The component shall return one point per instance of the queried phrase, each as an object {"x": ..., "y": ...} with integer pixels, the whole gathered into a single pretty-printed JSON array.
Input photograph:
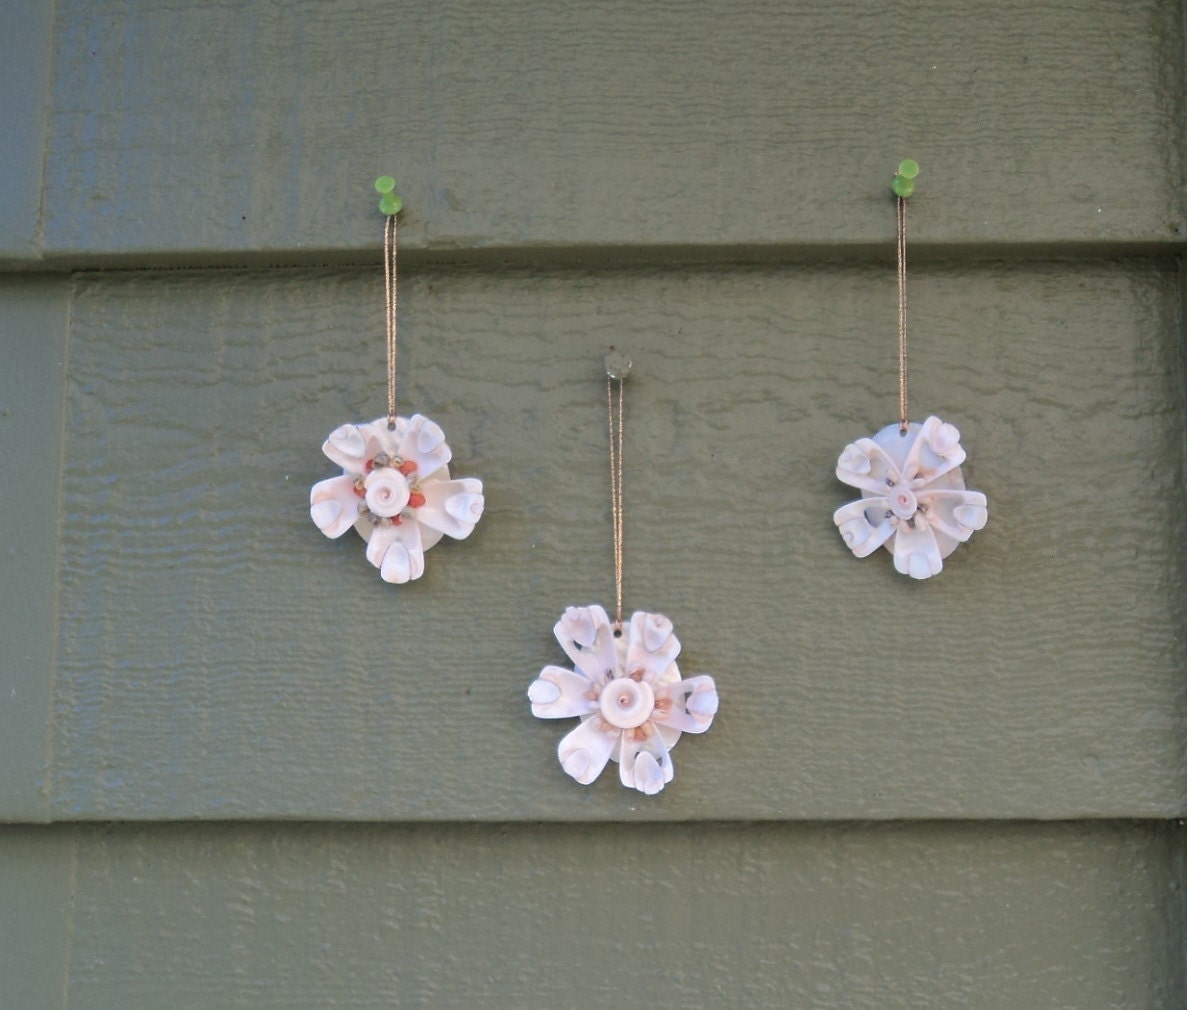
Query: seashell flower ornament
[
  {"x": 625, "y": 686},
  {"x": 628, "y": 693},
  {"x": 914, "y": 502},
  {"x": 395, "y": 489}
]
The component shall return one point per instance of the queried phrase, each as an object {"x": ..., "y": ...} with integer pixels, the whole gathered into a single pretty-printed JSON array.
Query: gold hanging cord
[
  {"x": 618, "y": 366},
  {"x": 902, "y": 185},
  {"x": 390, "y": 204},
  {"x": 391, "y": 236},
  {"x": 901, "y": 216}
]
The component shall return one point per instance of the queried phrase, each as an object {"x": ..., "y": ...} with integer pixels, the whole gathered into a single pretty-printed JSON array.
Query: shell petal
[
  {"x": 916, "y": 552},
  {"x": 580, "y": 625},
  {"x": 693, "y": 704},
  {"x": 649, "y": 778},
  {"x": 959, "y": 514},
  {"x": 854, "y": 460},
  {"x": 864, "y": 524},
  {"x": 347, "y": 446},
  {"x": 466, "y": 507},
  {"x": 657, "y": 629},
  {"x": 329, "y": 516},
  {"x": 542, "y": 692},
  {"x": 651, "y": 645},
  {"x": 559, "y": 694},
  {"x": 424, "y": 443},
  {"x": 595, "y": 652},
  {"x": 972, "y": 516},
  {"x": 585, "y": 751},
  {"x": 397, "y": 552},
  {"x": 646, "y": 764},
  {"x": 452, "y": 506},
  {"x": 429, "y": 435},
  {"x": 865, "y": 464},
  {"x": 333, "y": 505},
  {"x": 935, "y": 451},
  {"x": 396, "y": 565}
]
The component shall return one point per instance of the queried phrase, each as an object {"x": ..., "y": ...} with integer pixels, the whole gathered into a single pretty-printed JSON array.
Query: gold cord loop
[{"x": 617, "y": 367}]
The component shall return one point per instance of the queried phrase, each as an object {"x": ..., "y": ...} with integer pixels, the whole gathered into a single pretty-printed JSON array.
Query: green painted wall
[
  {"x": 244, "y": 667},
  {"x": 692, "y": 915},
  {"x": 272, "y": 780}
]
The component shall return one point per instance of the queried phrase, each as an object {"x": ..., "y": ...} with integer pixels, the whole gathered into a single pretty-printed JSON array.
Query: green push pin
[
  {"x": 390, "y": 202},
  {"x": 903, "y": 183}
]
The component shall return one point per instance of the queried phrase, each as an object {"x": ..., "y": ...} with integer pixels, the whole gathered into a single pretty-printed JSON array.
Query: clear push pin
[{"x": 618, "y": 363}]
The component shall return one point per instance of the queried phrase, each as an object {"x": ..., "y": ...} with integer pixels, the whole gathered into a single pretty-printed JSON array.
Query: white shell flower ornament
[
  {"x": 913, "y": 499},
  {"x": 914, "y": 502},
  {"x": 625, "y": 686},
  {"x": 627, "y": 691},
  {"x": 395, "y": 489}
]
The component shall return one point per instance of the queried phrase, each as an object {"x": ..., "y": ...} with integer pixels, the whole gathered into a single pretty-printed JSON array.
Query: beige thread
[
  {"x": 616, "y": 499},
  {"x": 901, "y": 230},
  {"x": 390, "y": 243}
]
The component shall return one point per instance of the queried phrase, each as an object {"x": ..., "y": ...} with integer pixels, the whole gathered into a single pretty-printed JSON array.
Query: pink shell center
[
  {"x": 902, "y": 501},
  {"x": 387, "y": 491},
  {"x": 627, "y": 703}
]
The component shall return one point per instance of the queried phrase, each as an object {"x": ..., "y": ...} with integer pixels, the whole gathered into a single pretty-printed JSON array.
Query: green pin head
[
  {"x": 903, "y": 183},
  {"x": 390, "y": 202}
]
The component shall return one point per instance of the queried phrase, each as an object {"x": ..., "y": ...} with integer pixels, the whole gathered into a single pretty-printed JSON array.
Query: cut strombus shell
[
  {"x": 395, "y": 490},
  {"x": 627, "y": 691},
  {"x": 914, "y": 501}
]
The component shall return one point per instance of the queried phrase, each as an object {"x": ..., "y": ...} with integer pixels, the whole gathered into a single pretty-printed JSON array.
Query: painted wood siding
[
  {"x": 244, "y": 666},
  {"x": 240, "y": 771},
  {"x": 986, "y": 916},
  {"x": 245, "y": 129}
]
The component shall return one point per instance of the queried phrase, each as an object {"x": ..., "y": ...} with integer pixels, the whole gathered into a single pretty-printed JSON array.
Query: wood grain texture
[
  {"x": 33, "y": 325},
  {"x": 988, "y": 917},
  {"x": 208, "y": 132},
  {"x": 219, "y": 658}
]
